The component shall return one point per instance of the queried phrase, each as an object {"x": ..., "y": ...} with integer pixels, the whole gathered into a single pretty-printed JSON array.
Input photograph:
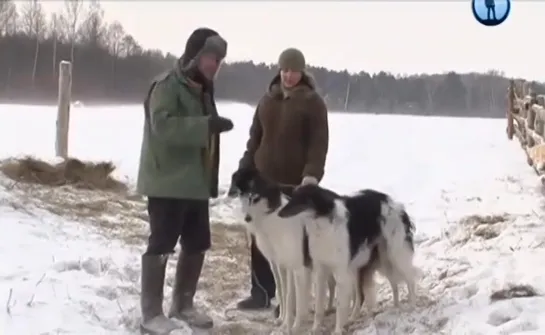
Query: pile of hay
[{"x": 87, "y": 175}]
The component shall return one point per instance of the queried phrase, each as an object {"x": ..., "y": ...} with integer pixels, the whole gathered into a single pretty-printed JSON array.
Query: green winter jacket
[{"x": 179, "y": 157}]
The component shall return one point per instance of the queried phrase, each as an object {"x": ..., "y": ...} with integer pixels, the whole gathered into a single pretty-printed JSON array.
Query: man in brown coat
[{"x": 288, "y": 144}]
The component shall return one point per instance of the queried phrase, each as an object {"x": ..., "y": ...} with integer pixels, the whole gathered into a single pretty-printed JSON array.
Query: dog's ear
[
  {"x": 323, "y": 202},
  {"x": 259, "y": 183},
  {"x": 321, "y": 199},
  {"x": 295, "y": 205},
  {"x": 242, "y": 181},
  {"x": 287, "y": 190}
]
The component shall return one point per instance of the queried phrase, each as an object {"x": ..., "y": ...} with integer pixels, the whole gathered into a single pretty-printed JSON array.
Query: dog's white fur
[
  {"x": 394, "y": 252},
  {"x": 280, "y": 242}
]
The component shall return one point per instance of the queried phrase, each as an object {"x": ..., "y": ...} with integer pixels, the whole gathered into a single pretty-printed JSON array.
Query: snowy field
[{"x": 477, "y": 206}]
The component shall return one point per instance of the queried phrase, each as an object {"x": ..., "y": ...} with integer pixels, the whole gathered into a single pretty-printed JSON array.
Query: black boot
[
  {"x": 255, "y": 301},
  {"x": 154, "y": 322},
  {"x": 263, "y": 286},
  {"x": 188, "y": 272}
]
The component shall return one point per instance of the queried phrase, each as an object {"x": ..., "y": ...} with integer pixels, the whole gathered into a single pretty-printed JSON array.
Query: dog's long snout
[{"x": 248, "y": 218}]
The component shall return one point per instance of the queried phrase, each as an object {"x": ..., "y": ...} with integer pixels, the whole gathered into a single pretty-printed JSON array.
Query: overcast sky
[{"x": 400, "y": 37}]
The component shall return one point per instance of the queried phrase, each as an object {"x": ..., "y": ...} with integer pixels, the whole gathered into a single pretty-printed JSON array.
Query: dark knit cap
[
  {"x": 292, "y": 59},
  {"x": 199, "y": 39}
]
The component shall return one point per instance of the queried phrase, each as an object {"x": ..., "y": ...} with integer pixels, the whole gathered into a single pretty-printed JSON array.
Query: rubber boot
[
  {"x": 154, "y": 321},
  {"x": 188, "y": 272},
  {"x": 254, "y": 302}
]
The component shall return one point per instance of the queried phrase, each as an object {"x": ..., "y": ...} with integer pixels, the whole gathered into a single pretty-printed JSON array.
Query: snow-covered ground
[{"x": 61, "y": 275}]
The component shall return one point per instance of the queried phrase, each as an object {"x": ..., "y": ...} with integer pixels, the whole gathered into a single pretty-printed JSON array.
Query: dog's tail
[
  {"x": 409, "y": 227},
  {"x": 398, "y": 232}
]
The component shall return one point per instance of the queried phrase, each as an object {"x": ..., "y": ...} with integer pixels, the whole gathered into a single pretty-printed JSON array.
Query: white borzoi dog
[
  {"x": 352, "y": 237},
  {"x": 281, "y": 241}
]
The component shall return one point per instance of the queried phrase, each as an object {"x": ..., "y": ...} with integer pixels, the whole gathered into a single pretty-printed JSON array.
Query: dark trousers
[
  {"x": 262, "y": 278},
  {"x": 171, "y": 219}
]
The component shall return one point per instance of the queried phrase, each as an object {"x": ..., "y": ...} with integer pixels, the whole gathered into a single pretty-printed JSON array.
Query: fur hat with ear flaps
[
  {"x": 292, "y": 59},
  {"x": 203, "y": 40}
]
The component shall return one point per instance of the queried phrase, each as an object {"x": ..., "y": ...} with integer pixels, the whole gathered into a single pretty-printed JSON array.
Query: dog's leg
[
  {"x": 309, "y": 290},
  {"x": 284, "y": 284},
  {"x": 411, "y": 287},
  {"x": 319, "y": 310},
  {"x": 279, "y": 291},
  {"x": 331, "y": 288},
  {"x": 290, "y": 301},
  {"x": 395, "y": 291},
  {"x": 356, "y": 299},
  {"x": 402, "y": 268},
  {"x": 345, "y": 283},
  {"x": 370, "y": 292},
  {"x": 301, "y": 297}
]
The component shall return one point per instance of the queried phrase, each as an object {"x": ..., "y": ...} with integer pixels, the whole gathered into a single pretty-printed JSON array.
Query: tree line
[{"x": 111, "y": 67}]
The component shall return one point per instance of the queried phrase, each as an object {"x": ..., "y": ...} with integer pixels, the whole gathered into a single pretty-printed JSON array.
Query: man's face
[
  {"x": 209, "y": 65},
  {"x": 290, "y": 78}
]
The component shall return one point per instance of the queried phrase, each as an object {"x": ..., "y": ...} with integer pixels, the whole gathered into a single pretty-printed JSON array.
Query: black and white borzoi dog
[
  {"x": 352, "y": 237},
  {"x": 348, "y": 237}
]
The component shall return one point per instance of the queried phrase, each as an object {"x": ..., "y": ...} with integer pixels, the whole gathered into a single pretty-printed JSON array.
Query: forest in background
[{"x": 110, "y": 67}]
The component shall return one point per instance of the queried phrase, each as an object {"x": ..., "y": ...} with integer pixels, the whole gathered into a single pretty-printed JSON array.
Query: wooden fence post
[
  {"x": 510, "y": 109},
  {"x": 526, "y": 121},
  {"x": 63, "y": 111}
]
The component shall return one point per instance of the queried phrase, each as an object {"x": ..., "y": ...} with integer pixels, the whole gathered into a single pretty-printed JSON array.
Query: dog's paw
[
  {"x": 285, "y": 328},
  {"x": 316, "y": 329},
  {"x": 296, "y": 327}
]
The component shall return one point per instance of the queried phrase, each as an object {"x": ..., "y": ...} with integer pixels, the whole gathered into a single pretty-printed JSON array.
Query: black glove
[{"x": 219, "y": 124}]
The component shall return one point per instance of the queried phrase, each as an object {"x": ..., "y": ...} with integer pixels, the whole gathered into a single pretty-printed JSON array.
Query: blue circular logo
[{"x": 491, "y": 12}]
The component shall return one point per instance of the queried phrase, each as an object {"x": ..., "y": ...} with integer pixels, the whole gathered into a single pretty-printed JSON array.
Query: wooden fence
[{"x": 526, "y": 120}]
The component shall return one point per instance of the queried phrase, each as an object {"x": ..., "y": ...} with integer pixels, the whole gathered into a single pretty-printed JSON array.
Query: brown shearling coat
[{"x": 289, "y": 135}]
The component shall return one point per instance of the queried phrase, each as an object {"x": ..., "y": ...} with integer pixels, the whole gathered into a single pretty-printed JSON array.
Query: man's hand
[{"x": 219, "y": 124}]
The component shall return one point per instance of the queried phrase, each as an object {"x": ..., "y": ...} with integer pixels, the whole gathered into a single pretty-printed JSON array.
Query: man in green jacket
[{"x": 178, "y": 173}]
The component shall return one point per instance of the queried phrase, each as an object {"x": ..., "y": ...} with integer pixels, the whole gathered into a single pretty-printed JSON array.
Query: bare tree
[
  {"x": 129, "y": 46},
  {"x": 8, "y": 17},
  {"x": 56, "y": 35},
  {"x": 431, "y": 88},
  {"x": 33, "y": 24},
  {"x": 71, "y": 18},
  {"x": 115, "y": 34},
  {"x": 92, "y": 31}
]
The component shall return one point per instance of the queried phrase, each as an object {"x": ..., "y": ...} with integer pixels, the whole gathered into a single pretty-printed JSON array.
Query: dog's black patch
[
  {"x": 365, "y": 218},
  {"x": 409, "y": 229},
  {"x": 364, "y": 210},
  {"x": 307, "y": 260}
]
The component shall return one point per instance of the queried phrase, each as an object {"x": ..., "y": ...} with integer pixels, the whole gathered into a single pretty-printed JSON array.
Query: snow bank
[{"x": 65, "y": 274}]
